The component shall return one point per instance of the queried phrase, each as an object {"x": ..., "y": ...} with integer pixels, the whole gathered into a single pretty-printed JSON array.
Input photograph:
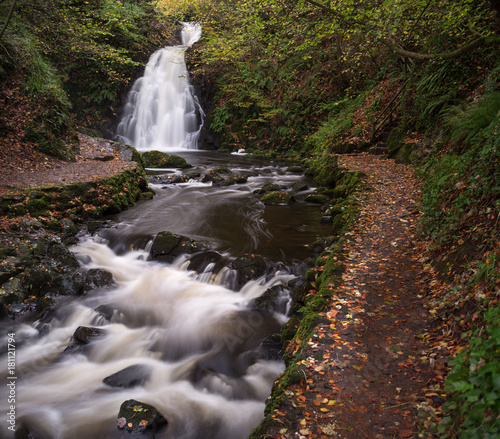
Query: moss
[
  {"x": 278, "y": 197},
  {"x": 158, "y": 159},
  {"x": 36, "y": 207},
  {"x": 317, "y": 198}
]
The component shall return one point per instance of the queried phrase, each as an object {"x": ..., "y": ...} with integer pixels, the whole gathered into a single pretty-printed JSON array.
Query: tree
[{"x": 9, "y": 16}]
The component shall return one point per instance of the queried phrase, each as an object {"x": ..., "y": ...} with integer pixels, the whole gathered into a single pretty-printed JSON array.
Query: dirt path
[
  {"x": 98, "y": 159},
  {"x": 366, "y": 367}
]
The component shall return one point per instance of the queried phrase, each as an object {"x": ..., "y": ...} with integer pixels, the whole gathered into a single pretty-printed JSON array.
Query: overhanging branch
[{"x": 481, "y": 41}]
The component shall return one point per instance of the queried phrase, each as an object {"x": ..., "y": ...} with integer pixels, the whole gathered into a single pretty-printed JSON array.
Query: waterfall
[{"x": 162, "y": 113}]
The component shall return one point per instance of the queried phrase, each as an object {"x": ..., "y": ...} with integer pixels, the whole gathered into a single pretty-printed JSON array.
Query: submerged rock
[
  {"x": 138, "y": 417},
  {"x": 131, "y": 376}
]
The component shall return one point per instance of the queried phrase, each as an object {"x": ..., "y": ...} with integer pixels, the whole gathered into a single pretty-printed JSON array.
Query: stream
[{"x": 189, "y": 341}]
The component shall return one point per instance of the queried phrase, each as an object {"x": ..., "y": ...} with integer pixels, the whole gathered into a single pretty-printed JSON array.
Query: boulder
[
  {"x": 85, "y": 334},
  {"x": 317, "y": 198},
  {"x": 167, "y": 246},
  {"x": 269, "y": 187},
  {"x": 249, "y": 267},
  {"x": 138, "y": 417},
  {"x": 158, "y": 159},
  {"x": 278, "y": 197}
]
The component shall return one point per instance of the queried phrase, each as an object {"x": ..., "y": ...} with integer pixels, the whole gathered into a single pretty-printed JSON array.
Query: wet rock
[
  {"x": 97, "y": 278},
  {"x": 105, "y": 311},
  {"x": 234, "y": 179},
  {"x": 138, "y": 417},
  {"x": 269, "y": 187},
  {"x": 278, "y": 197},
  {"x": 9, "y": 267},
  {"x": 299, "y": 186},
  {"x": 211, "y": 176},
  {"x": 271, "y": 348},
  {"x": 273, "y": 300},
  {"x": 168, "y": 179},
  {"x": 249, "y": 267},
  {"x": 317, "y": 198},
  {"x": 167, "y": 246},
  {"x": 200, "y": 261},
  {"x": 295, "y": 169},
  {"x": 131, "y": 376},
  {"x": 157, "y": 159},
  {"x": 85, "y": 334}
]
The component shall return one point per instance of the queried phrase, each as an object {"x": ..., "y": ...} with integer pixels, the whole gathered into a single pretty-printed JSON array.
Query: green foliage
[
  {"x": 465, "y": 122},
  {"x": 473, "y": 408},
  {"x": 462, "y": 191},
  {"x": 48, "y": 122},
  {"x": 95, "y": 45}
]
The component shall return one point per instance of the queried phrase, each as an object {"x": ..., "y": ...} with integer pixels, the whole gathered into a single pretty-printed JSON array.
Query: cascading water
[
  {"x": 202, "y": 351},
  {"x": 162, "y": 113},
  {"x": 195, "y": 349}
]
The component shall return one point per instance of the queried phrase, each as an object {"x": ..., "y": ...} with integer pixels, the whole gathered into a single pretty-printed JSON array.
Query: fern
[{"x": 464, "y": 123}]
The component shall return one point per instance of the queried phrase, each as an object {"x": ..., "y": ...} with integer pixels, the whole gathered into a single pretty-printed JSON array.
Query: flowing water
[
  {"x": 162, "y": 112},
  {"x": 198, "y": 346}
]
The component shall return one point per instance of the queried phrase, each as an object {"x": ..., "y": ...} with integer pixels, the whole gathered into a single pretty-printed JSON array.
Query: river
[
  {"x": 196, "y": 342},
  {"x": 182, "y": 337}
]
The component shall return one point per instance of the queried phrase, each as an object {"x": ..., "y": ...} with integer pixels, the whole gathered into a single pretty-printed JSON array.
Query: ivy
[{"x": 473, "y": 407}]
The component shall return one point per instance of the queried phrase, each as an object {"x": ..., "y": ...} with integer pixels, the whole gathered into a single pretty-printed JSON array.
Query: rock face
[
  {"x": 167, "y": 246},
  {"x": 138, "y": 417}
]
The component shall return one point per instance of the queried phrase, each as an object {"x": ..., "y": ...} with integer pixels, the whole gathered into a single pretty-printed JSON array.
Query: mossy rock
[
  {"x": 317, "y": 198},
  {"x": 278, "y": 197},
  {"x": 211, "y": 176},
  {"x": 295, "y": 169},
  {"x": 158, "y": 159},
  {"x": 269, "y": 187},
  {"x": 167, "y": 246},
  {"x": 234, "y": 179},
  {"x": 249, "y": 267}
]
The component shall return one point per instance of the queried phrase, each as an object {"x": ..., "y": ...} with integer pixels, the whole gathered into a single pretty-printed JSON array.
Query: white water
[
  {"x": 200, "y": 341},
  {"x": 162, "y": 112}
]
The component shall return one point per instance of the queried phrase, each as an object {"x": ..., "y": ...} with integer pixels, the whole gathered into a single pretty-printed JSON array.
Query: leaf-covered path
[{"x": 366, "y": 367}]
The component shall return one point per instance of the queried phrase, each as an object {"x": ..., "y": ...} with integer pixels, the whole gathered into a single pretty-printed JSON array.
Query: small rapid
[{"x": 197, "y": 346}]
